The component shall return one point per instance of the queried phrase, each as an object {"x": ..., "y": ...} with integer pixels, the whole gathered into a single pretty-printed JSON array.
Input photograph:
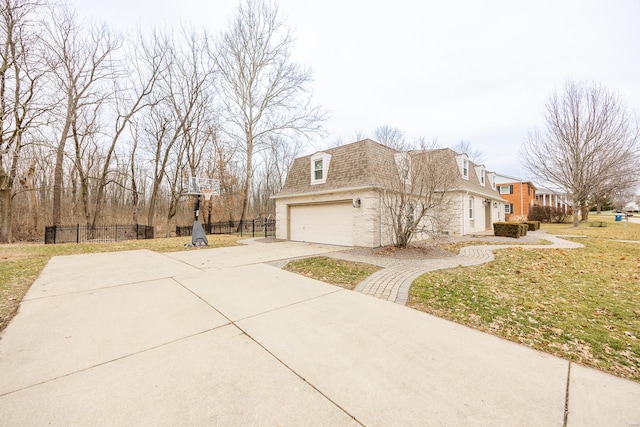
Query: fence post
[
  {"x": 77, "y": 233},
  {"x": 266, "y": 224},
  {"x": 253, "y": 228}
]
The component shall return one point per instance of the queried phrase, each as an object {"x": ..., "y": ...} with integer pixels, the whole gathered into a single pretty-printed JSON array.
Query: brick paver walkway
[{"x": 393, "y": 282}]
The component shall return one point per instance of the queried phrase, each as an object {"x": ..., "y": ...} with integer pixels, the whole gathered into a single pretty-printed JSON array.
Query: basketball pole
[{"x": 196, "y": 211}]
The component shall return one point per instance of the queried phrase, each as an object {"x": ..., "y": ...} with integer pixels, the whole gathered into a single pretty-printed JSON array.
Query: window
[
  {"x": 317, "y": 170},
  {"x": 508, "y": 208},
  {"x": 506, "y": 189},
  {"x": 319, "y": 167},
  {"x": 463, "y": 165},
  {"x": 471, "y": 202},
  {"x": 482, "y": 175}
]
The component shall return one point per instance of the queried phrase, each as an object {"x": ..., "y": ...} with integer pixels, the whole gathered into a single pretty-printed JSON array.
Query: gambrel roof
[{"x": 358, "y": 166}]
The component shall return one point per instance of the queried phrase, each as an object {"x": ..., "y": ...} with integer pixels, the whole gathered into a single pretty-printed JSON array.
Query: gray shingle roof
[{"x": 359, "y": 164}]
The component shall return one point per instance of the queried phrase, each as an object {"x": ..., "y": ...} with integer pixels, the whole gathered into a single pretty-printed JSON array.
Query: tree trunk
[
  {"x": 246, "y": 189},
  {"x": 27, "y": 183},
  {"x": 58, "y": 173},
  {"x": 5, "y": 207}
]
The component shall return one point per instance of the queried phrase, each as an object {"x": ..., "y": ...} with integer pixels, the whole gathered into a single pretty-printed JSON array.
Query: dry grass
[
  {"x": 580, "y": 304},
  {"x": 20, "y": 264},
  {"x": 337, "y": 272}
]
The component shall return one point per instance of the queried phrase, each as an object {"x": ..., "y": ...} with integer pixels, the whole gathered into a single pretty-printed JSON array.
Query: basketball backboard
[{"x": 204, "y": 186}]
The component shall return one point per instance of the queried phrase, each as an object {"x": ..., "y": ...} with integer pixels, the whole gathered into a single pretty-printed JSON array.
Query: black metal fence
[
  {"x": 253, "y": 228},
  {"x": 81, "y": 233}
]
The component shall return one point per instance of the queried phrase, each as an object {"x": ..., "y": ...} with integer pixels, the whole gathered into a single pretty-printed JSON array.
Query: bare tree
[
  {"x": 418, "y": 201},
  {"x": 178, "y": 119},
  {"x": 263, "y": 91},
  {"x": 590, "y": 142},
  {"x": 276, "y": 161},
  {"x": 81, "y": 61},
  {"x": 475, "y": 155},
  {"x": 132, "y": 94},
  {"x": 391, "y": 137},
  {"x": 21, "y": 107}
]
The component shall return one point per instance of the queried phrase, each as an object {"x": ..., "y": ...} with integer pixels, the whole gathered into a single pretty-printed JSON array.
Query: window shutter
[{"x": 511, "y": 189}]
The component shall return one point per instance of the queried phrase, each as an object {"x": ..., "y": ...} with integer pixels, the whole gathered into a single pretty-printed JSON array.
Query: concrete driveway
[{"x": 218, "y": 337}]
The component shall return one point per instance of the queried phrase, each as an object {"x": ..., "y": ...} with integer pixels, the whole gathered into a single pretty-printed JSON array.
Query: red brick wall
[{"x": 522, "y": 198}]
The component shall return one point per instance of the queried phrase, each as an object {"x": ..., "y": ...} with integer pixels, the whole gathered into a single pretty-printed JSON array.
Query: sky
[{"x": 455, "y": 70}]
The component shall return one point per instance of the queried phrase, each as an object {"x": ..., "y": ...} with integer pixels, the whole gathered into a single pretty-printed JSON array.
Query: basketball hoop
[
  {"x": 206, "y": 187},
  {"x": 208, "y": 193}
]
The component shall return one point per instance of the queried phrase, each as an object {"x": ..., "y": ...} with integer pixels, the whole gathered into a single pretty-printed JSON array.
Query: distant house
[
  {"x": 335, "y": 196},
  {"x": 553, "y": 198},
  {"x": 520, "y": 195}
]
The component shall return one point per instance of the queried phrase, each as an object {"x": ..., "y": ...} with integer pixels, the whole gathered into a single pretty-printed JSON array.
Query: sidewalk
[{"x": 218, "y": 337}]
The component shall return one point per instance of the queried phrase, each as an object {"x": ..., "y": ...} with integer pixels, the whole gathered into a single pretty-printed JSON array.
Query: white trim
[
  {"x": 329, "y": 191},
  {"x": 324, "y": 160}
]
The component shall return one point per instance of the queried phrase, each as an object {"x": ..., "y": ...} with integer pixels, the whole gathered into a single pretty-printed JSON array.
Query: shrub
[
  {"x": 540, "y": 213},
  {"x": 517, "y": 218},
  {"x": 559, "y": 215},
  {"x": 548, "y": 214},
  {"x": 509, "y": 229},
  {"x": 523, "y": 229},
  {"x": 597, "y": 224},
  {"x": 533, "y": 225}
]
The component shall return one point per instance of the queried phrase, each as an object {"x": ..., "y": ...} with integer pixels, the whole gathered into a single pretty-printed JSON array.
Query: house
[
  {"x": 338, "y": 196},
  {"x": 553, "y": 198},
  {"x": 520, "y": 195}
]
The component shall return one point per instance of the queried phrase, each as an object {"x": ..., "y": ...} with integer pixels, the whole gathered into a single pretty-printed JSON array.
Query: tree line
[{"x": 100, "y": 127}]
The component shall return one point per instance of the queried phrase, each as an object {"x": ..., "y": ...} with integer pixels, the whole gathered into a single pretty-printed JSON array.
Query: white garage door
[{"x": 330, "y": 223}]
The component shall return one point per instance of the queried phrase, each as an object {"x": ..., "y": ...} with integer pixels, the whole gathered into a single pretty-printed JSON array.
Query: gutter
[{"x": 330, "y": 191}]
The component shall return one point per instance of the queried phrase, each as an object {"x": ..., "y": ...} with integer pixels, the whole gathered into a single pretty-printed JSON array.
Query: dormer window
[
  {"x": 463, "y": 165},
  {"x": 482, "y": 174},
  {"x": 319, "y": 167},
  {"x": 492, "y": 179},
  {"x": 317, "y": 170}
]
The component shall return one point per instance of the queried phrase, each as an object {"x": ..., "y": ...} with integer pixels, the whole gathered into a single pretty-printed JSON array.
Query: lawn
[
  {"x": 20, "y": 264},
  {"x": 341, "y": 273},
  {"x": 580, "y": 304}
]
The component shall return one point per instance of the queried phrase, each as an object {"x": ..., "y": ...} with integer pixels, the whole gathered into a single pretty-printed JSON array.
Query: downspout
[
  {"x": 463, "y": 213},
  {"x": 521, "y": 200},
  {"x": 380, "y": 217}
]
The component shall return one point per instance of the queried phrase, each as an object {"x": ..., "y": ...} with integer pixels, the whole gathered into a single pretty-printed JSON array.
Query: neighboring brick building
[{"x": 519, "y": 194}]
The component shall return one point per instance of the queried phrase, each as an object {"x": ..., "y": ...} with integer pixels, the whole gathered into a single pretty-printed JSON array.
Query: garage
[{"x": 330, "y": 223}]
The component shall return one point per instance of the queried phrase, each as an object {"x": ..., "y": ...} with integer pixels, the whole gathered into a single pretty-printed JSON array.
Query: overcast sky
[{"x": 478, "y": 71}]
